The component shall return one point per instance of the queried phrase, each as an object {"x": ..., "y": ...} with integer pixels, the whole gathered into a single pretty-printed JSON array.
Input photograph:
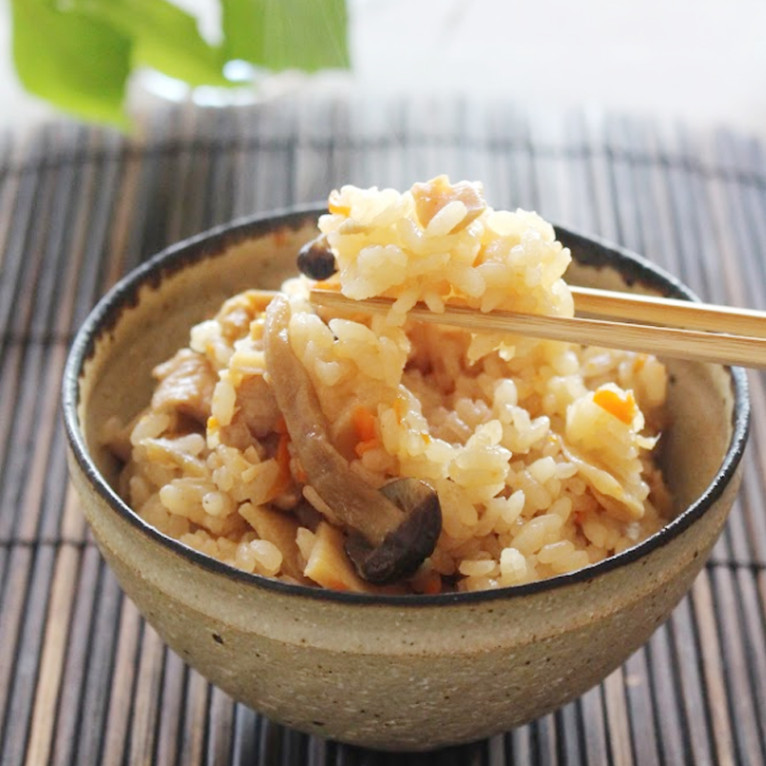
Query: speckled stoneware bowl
[{"x": 390, "y": 672}]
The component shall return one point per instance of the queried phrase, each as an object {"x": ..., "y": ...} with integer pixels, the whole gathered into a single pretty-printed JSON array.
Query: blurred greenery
[{"x": 80, "y": 54}]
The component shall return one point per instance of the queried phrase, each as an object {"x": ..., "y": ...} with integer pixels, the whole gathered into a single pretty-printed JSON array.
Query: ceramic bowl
[{"x": 391, "y": 672}]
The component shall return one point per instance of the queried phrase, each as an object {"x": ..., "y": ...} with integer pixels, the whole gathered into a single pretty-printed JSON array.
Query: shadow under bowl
[{"x": 390, "y": 672}]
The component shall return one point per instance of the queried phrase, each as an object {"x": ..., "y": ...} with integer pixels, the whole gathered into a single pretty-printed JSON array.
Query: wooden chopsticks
[
  {"x": 660, "y": 326},
  {"x": 670, "y": 312}
]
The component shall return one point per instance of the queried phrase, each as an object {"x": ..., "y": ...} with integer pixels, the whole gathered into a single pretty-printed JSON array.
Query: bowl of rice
[{"x": 394, "y": 534}]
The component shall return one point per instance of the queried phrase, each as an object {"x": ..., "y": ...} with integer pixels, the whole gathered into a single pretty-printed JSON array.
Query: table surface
[{"x": 82, "y": 678}]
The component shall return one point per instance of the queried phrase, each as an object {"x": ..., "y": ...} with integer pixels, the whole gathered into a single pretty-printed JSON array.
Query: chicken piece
[
  {"x": 256, "y": 415},
  {"x": 257, "y": 406},
  {"x": 432, "y": 196},
  {"x": 238, "y": 312},
  {"x": 186, "y": 385}
]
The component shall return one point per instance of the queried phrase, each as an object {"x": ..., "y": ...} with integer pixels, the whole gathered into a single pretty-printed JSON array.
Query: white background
[{"x": 701, "y": 61}]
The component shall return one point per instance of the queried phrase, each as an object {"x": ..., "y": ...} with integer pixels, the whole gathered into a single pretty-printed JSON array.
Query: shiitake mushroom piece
[{"x": 390, "y": 531}]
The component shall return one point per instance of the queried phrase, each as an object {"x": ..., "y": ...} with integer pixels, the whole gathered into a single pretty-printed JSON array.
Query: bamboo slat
[{"x": 82, "y": 678}]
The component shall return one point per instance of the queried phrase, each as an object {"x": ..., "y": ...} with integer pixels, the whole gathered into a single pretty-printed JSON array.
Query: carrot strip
[
  {"x": 366, "y": 430},
  {"x": 433, "y": 584},
  {"x": 334, "y": 205},
  {"x": 365, "y": 424},
  {"x": 614, "y": 404}
]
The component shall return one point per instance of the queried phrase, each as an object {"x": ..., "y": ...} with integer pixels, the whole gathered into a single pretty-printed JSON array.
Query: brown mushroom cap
[
  {"x": 316, "y": 259},
  {"x": 403, "y": 549}
]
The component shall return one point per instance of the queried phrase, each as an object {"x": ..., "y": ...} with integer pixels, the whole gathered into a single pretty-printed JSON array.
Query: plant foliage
[{"x": 79, "y": 54}]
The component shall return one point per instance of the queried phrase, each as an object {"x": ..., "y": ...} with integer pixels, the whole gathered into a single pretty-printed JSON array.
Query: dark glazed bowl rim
[{"x": 591, "y": 251}]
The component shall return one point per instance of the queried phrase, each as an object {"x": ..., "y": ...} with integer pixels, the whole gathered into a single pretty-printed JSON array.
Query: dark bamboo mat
[{"x": 83, "y": 679}]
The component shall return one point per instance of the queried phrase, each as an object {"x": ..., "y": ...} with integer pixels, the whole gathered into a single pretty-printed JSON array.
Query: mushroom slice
[{"x": 386, "y": 540}]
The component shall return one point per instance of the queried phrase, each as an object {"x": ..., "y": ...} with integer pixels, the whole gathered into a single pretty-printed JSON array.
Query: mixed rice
[{"x": 541, "y": 452}]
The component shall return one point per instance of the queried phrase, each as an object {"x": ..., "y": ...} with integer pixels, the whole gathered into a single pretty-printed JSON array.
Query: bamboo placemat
[{"x": 83, "y": 679}]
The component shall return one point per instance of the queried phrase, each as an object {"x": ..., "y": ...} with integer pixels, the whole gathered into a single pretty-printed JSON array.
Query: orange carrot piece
[
  {"x": 366, "y": 429},
  {"x": 332, "y": 583},
  {"x": 334, "y": 206},
  {"x": 331, "y": 283},
  {"x": 614, "y": 404},
  {"x": 433, "y": 584},
  {"x": 365, "y": 424}
]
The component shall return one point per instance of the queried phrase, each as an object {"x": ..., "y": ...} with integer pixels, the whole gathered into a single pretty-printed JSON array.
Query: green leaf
[
  {"x": 79, "y": 64},
  {"x": 165, "y": 38},
  {"x": 78, "y": 54},
  {"x": 286, "y": 34}
]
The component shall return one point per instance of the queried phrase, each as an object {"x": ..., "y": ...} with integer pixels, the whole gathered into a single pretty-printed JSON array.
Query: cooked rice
[{"x": 540, "y": 451}]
